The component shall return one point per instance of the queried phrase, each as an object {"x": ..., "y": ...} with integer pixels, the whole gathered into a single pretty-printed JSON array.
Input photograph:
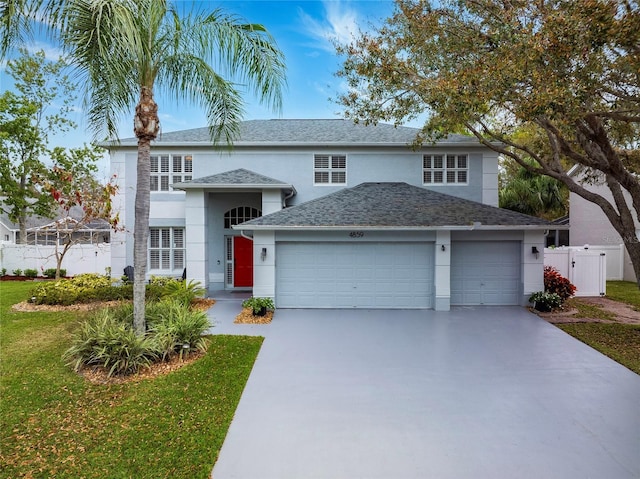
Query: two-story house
[{"x": 332, "y": 214}]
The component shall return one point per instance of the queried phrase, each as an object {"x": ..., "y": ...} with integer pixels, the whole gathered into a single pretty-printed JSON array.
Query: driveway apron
[{"x": 471, "y": 393}]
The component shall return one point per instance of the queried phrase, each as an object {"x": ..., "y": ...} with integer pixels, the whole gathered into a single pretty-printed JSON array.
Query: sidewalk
[{"x": 223, "y": 313}]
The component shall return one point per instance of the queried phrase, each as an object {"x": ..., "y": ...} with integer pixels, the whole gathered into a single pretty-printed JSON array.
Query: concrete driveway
[{"x": 471, "y": 393}]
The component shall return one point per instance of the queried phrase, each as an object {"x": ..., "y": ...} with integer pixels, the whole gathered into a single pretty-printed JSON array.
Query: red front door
[{"x": 242, "y": 262}]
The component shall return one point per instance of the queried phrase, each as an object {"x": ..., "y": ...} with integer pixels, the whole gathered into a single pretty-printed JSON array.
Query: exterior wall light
[
  {"x": 443, "y": 248},
  {"x": 534, "y": 251},
  {"x": 263, "y": 254}
]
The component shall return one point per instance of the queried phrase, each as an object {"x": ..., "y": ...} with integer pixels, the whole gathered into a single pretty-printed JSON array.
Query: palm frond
[
  {"x": 187, "y": 77},
  {"x": 207, "y": 59}
]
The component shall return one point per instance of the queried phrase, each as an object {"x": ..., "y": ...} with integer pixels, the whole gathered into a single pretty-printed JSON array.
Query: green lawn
[
  {"x": 55, "y": 424},
  {"x": 625, "y": 292},
  {"x": 621, "y": 342}
]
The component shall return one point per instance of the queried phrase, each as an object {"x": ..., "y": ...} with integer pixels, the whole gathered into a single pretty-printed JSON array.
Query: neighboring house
[
  {"x": 590, "y": 226},
  {"x": 559, "y": 237},
  {"x": 332, "y": 214},
  {"x": 47, "y": 231}
]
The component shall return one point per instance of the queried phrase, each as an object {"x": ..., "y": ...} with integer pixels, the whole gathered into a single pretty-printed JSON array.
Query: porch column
[
  {"x": 264, "y": 264},
  {"x": 442, "y": 271},
  {"x": 196, "y": 236}
]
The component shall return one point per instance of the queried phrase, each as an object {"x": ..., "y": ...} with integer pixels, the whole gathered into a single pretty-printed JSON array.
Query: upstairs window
[
  {"x": 445, "y": 169},
  {"x": 330, "y": 169},
  {"x": 169, "y": 169}
]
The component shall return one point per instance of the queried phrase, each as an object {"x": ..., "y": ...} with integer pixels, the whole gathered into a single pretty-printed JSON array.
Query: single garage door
[
  {"x": 485, "y": 272},
  {"x": 354, "y": 275}
]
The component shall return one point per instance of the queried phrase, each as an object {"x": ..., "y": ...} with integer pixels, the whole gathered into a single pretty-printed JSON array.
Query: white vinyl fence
[
  {"x": 585, "y": 268},
  {"x": 81, "y": 258}
]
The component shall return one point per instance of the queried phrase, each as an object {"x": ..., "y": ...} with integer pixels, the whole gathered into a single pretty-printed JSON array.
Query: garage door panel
[
  {"x": 362, "y": 275},
  {"x": 485, "y": 273}
]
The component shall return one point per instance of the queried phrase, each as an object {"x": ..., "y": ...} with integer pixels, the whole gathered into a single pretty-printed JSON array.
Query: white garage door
[
  {"x": 485, "y": 272},
  {"x": 354, "y": 275}
]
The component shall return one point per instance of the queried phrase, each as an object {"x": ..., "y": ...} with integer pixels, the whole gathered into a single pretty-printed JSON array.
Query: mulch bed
[
  {"x": 201, "y": 304},
  {"x": 100, "y": 375},
  {"x": 623, "y": 313},
  {"x": 246, "y": 317}
]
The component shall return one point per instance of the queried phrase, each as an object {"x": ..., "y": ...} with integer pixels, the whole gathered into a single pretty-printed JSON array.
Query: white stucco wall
[
  {"x": 290, "y": 165},
  {"x": 81, "y": 258}
]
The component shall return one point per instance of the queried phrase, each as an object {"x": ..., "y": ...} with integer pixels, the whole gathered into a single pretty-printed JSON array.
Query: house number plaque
[{"x": 356, "y": 234}]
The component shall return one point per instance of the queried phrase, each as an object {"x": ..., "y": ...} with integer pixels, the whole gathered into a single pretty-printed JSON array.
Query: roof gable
[
  {"x": 393, "y": 205},
  {"x": 235, "y": 178}
]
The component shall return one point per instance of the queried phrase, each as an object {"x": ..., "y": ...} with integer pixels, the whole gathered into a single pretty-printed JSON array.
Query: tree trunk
[
  {"x": 633, "y": 248},
  {"x": 146, "y": 127},
  {"x": 22, "y": 223}
]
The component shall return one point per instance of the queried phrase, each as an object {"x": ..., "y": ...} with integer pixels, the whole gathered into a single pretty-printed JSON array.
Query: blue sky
[{"x": 303, "y": 29}]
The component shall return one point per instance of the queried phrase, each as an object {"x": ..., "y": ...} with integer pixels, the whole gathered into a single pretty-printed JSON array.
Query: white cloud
[
  {"x": 51, "y": 52},
  {"x": 339, "y": 25}
]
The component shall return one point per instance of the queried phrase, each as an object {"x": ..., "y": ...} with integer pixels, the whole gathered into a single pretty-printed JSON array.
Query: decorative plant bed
[{"x": 246, "y": 316}]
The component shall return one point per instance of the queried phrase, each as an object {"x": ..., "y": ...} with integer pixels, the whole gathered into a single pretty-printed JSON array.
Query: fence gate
[{"x": 586, "y": 269}]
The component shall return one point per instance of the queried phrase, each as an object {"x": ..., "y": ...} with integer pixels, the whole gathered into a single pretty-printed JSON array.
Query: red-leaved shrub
[{"x": 554, "y": 282}]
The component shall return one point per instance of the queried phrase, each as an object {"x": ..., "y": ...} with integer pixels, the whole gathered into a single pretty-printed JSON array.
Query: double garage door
[
  {"x": 354, "y": 275},
  {"x": 395, "y": 275}
]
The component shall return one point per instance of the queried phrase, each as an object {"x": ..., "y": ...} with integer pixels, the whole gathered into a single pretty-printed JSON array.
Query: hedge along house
[{"x": 332, "y": 214}]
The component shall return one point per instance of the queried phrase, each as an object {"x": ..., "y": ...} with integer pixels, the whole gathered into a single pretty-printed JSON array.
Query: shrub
[
  {"x": 183, "y": 291},
  {"x": 104, "y": 340},
  {"x": 545, "y": 301},
  {"x": 82, "y": 288},
  {"x": 258, "y": 305},
  {"x": 4, "y": 271},
  {"x": 86, "y": 288},
  {"x": 162, "y": 280},
  {"x": 554, "y": 282},
  {"x": 51, "y": 272},
  {"x": 17, "y": 272},
  {"x": 30, "y": 273},
  {"x": 176, "y": 328}
]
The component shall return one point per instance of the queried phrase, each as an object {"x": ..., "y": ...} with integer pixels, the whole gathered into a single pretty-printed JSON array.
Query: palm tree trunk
[{"x": 146, "y": 127}]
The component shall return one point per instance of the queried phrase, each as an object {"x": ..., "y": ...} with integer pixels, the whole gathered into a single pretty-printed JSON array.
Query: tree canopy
[
  {"x": 565, "y": 71},
  {"x": 38, "y": 108}
]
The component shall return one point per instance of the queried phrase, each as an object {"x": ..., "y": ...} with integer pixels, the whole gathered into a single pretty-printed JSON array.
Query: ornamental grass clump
[
  {"x": 184, "y": 291},
  {"x": 105, "y": 340},
  {"x": 176, "y": 328}
]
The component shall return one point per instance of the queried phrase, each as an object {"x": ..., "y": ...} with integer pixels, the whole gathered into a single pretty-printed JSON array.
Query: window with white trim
[
  {"x": 330, "y": 169},
  {"x": 169, "y": 169},
  {"x": 445, "y": 169},
  {"x": 238, "y": 215},
  {"x": 166, "y": 249}
]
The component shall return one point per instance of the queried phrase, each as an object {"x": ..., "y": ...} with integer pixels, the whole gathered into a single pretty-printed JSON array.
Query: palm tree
[
  {"x": 14, "y": 24},
  {"x": 125, "y": 50},
  {"x": 535, "y": 195}
]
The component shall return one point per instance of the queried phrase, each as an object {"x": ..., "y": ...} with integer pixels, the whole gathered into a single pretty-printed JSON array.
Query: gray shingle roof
[
  {"x": 305, "y": 132},
  {"x": 239, "y": 177},
  {"x": 393, "y": 205},
  {"x": 35, "y": 222}
]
